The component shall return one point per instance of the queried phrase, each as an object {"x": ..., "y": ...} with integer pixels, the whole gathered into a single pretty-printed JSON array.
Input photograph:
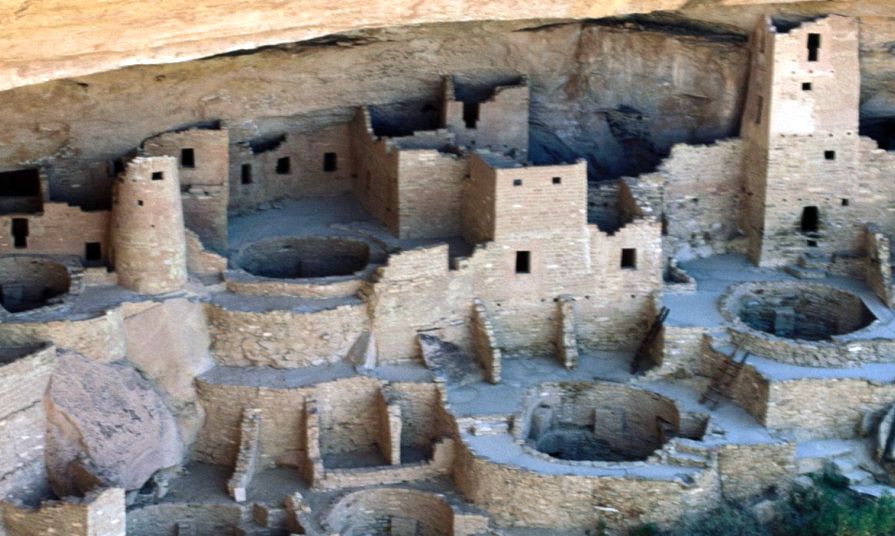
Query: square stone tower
[{"x": 800, "y": 129}]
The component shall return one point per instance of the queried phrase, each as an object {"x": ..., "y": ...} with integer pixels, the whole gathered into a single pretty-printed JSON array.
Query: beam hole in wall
[
  {"x": 557, "y": 180},
  {"x": 523, "y": 262},
  {"x": 245, "y": 174},
  {"x": 813, "y": 46},
  {"x": 187, "y": 158},
  {"x": 330, "y": 162},
  {"x": 517, "y": 182},
  {"x": 284, "y": 166},
  {"x": 810, "y": 222},
  {"x": 829, "y": 155},
  {"x": 157, "y": 175},
  {"x": 629, "y": 258},
  {"x": 845, "y": 202},
  {"x": 30, "y": 282},
  {"x": 806, "y": 86},
  {"x": 20, "y": 233}
]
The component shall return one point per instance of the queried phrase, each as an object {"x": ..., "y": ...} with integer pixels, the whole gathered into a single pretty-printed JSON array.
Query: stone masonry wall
[
  {"x": 204, "y": 185},
  {"x": 60, "y": 230},
  {"x": 100, "y": 338},
  {"x": 24, "y": 376},
  {"x": 375, "y": 184},
  {"x": 430, "y": 186},
  {"x": 306, "y": 176},
  {"x": 502, "y": 119},
  {"x": 750, "y": 470},
  {"x": 100, "y": 513},
  {"x": 284, "y": 338}
]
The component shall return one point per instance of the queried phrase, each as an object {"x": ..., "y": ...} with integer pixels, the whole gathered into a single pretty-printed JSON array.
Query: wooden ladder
[
  {"x": 642, "y": 352},
  {"x": 724, "y": 378}
]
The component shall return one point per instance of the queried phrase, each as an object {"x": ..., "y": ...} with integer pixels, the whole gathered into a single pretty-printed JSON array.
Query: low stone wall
[
  {"x": 164, "y": 519},
  {"x": 392, "y": 511},
  {"x": 518, "y": 497},
  {"x": 824, "y": 408},
  {"x": 283, "y": 338},
  {"x": 750, "y": 470},
  {"x": 100, "y": 513},
  {"x": 878, "y": 271},
  {"x": 843, "y": 308},
  {"x": 241, "y": 282},
  {"x": 100, "y": 338},
  {"x": 680, "y": 351},
  {"x": 442, "y": 460}
]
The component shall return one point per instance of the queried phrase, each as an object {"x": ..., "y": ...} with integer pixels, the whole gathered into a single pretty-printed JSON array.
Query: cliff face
[
  {"x": 621, "y": 91},
  {"x": 60, "y": 38}
]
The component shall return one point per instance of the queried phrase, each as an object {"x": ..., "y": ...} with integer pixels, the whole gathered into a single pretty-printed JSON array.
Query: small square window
[
  {"x": 139, "y": 202},
  {"x": 187, "y": 158},
  {"x": 629, "y": 258},
  {"x": 246, "y": 174},
  {"x": 158, "y": 175},
  {"x": 517, "y": 182},
  {"x": 845, "y": 202},
  {"x": 812, "y": 243},
  {"x": 284, "y": 166},
  {"x": 523, "y": 262},
  {"x": 829, "y": 155},
  {"x": 330, "y": 162},
  {"x": 557, "y": 180},
  {"x": 806, "y": 86}
]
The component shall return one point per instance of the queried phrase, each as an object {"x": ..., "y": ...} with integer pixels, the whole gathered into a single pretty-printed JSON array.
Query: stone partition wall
[
  {"x": 24, "y": 376},
  {"x": 501, "y": 120},
  {"x": 173, "y": 518},
  {"x": 283, "y": 337},
  {"x": 878, "y": 272},
  {"x": 430, "y": 189},
  {"x": 375, "y": 180},
  {"x": 751, "y": 390},
  {"x": 484, "y": 342}
]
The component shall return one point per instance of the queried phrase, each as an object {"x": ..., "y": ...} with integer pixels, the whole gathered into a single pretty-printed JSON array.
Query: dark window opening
[
  {"x": 284, "y": 166},
  {"x": 829, "y": 155},
  {"x": 93, "y": 252},
  {"x": 523, "y": 262},
  {"x": 845, "y": 202},
  {"x": 813, "y": 46},
  {"x": 470, "y": 114},
  {"x": 187, "y": 158},
  {"x": 330, "y": 162},
  {"x": 810, "y": 220},
  {"x": 20, "y": 233},
  {"x": 115, "y": 167},
  {"x": 157, "y": 175},
  {"x": 557, "y": 180},
  {"x": 629, "y": 258},
  {"x": 664, "y": 225},
  {"x": 517, "y": 182},
  {"x": 806, "y": 86},
  {"x": 20, "y": 183},
  {"x": 246, "y": 174},
  {"x": 139, "y": 202},
  {"x": 758, "y": 110},
  {"x": 812, "y": 243}
]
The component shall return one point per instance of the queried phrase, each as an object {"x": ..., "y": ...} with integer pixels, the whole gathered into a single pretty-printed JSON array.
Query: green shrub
[
  {"x": 830, "y": 509},
  {"x": 727, "y": 520},
  {"x": 648, "y": 529}
]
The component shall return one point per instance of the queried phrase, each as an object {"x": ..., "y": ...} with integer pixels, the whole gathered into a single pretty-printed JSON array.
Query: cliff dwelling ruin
[{"x": 510, "y": 274}]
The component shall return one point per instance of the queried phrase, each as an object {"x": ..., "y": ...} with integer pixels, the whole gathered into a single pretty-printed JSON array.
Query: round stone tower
[{"x": 148, "y": 240}]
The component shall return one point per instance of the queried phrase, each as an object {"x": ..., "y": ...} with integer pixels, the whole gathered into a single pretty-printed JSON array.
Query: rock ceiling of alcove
[{"x": 61, "y": 38}]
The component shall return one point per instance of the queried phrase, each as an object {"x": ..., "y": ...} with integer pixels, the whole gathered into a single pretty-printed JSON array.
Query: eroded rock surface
[{"x": 106, "y": 425}]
